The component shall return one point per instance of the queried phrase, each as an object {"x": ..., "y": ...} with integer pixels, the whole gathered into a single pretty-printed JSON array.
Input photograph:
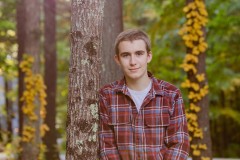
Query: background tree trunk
[
  {"x": 112, "y": 26},
  {"x": 9, "y": 110},
  {"x": 203, "y": 115},
  {"x": 84, "y": 79},
  {"x": 50, "y": 78},
  {"x": 21, "y": 34},
  {"x": 30, "y": 34}
]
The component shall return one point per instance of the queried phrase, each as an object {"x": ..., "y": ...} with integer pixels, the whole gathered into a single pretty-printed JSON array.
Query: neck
[{"x": 138, "y": 85}]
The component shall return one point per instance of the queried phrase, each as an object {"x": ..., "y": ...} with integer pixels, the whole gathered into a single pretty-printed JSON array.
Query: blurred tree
[
  {"x": 28, "y": 19},
  {"x": 50, "y": 78},
  {"x": 21, "y": 36},
  {"x": 84, "y": 79},
  {"x": 112, "y": 26},
  {"x": 194, "y": 36},
  {"x": 9, "y": 109}
]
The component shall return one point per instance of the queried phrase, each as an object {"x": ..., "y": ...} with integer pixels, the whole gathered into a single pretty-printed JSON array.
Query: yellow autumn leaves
[
  {"x": 193, "y": 36},
  {"x": 34, "y": 91}
]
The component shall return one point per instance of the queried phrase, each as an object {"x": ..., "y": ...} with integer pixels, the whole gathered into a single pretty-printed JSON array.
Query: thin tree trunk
[
  {"x": 21, "y": 34},
  {"x": 31, "y": 45},
  {"x": 9, "y": 110},
  {"x": 203, "y": 114},
  {"x": 50, "y": 78},
  {"x": 84, "y": 79},
  {"x": 112, "y": 26}
]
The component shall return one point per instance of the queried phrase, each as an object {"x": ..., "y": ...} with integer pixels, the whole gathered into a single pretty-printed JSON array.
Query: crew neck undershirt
[{"x": 139, "y": 96}]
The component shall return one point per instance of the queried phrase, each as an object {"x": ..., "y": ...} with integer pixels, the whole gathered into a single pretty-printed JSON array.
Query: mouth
[{"x": 133, "y": 69}]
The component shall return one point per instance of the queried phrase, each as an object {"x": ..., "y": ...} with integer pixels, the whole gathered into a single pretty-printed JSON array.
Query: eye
[
  {"x": 139, "y": 53},
  {"x": 124, "y": 55}
]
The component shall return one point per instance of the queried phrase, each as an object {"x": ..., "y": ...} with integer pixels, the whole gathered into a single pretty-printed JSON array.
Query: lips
[{"x": 133, "y": 69}]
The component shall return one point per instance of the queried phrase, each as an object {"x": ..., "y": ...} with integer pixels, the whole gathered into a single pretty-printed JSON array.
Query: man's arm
[
  {"x": 177, "y": 137},
  {"x": 107, "y": 144}
]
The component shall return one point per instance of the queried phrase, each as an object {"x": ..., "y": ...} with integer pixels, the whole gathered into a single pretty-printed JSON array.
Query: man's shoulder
[
  {"x": 164, "y": 85},
  {"x": 111, "y": 87}
]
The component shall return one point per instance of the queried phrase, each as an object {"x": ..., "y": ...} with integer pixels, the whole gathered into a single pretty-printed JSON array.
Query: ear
[
  {"x": 116, "y": 58},
  {"x": 149, "y": 57}
]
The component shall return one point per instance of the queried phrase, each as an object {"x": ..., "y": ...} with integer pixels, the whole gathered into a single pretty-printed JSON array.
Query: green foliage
[
  {"x": 217, "y": 112},
  {"x": 8, "y": 40},
  {"x": 12, "y": 149},
  {"x": 223, "y": 40},
  {"x": 63, "y": 55}
]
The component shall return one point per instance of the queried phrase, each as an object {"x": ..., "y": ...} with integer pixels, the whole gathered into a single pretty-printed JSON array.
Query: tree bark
[
  {"x": 84, "y": 79},
  {"x": 21, "y": 34},
  {"x": 9, "y": 110},
  {"x": 112, "y": 26},
  {"x": 50, "y": 78},
  {"x": 30, "y": 34},
  {"x": 203, "y": 115}
]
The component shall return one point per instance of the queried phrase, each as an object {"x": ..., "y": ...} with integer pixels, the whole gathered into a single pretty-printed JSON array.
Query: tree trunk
[
  {"x": 50, "y": 77},
  {"x": 84, "y": 79},
  {"x": 203, "y": 103},
  {"x": 112, "y": 26},
  {"x": 21, "y": 34},
  {"x": 203, "y": 114},
  {"x": 9, "y": 110},
  {"x": 30, "y": 31}
]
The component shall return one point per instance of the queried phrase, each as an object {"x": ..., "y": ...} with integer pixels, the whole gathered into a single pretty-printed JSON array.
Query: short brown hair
[{"x": 130, "y": 35}]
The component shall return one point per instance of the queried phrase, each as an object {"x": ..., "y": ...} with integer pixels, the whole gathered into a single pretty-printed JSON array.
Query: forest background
[{"x": 162, "y": 20}]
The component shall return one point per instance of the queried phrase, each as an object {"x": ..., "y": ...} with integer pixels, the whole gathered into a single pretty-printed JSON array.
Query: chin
[{"x": 134, "y": 76}]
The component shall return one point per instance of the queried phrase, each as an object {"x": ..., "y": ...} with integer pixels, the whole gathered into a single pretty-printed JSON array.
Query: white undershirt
[{"x": 139, "y": 96}]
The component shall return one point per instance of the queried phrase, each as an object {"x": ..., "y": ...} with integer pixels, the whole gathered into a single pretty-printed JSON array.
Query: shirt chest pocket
[
  {"x": 161, "y": 119},
  {"x": 120, "y": 115}
]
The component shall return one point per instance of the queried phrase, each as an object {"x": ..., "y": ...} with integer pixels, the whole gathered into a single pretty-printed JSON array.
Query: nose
[{"x": 132, "y": 60}]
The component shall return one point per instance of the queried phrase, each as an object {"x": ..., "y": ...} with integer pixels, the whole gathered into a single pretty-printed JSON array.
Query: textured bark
[
  {"x": 84, "y": 79},
  {"x": 9, "y": 110},
  {"x": 30, "y": 34},
  {"x": 112, "y": 26},
  {"x": 50, "y": 78},
  {"x": 21, "y": 34},
  {"x": 203, "y": 114}
]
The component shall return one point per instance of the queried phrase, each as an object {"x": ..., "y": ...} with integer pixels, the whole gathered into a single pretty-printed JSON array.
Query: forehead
[{"x": 128, "y": 46}]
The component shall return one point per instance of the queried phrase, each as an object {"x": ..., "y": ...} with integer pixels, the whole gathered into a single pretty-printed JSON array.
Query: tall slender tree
[
  {"x": 84, "y": 79},
  {"x": 50, "y": 78},
  {"x": 112, "y": 26},
  {"x": 9, "y": 110},
  {"x": 21, "y": 34},
  {"x": 194, "y": 36},
  {"x": 29, "y": 43}
]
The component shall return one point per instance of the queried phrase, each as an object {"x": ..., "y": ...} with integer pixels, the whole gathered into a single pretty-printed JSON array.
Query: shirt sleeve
[
  {"x": 177, "y": 137},
  {"x": 107, "y": 143}
]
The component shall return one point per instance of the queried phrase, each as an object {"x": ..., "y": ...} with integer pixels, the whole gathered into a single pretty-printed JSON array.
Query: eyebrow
[
  {"x": 141, "y": 51},
  {"x": 122, "y": 53}
]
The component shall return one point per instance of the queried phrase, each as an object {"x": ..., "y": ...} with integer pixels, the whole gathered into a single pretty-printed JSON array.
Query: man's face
[{"x": 133, "y": 59}]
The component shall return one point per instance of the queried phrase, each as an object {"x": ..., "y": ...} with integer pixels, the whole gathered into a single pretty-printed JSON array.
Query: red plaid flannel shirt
[{"x": 157, "y": 132}]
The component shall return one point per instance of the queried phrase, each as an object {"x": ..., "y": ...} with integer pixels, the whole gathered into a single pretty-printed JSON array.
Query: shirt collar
[{"x": 156, "y": 88}]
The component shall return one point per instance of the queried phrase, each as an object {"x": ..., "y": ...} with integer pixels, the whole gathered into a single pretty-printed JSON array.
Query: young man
[{"x": 141, "y": 117}]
